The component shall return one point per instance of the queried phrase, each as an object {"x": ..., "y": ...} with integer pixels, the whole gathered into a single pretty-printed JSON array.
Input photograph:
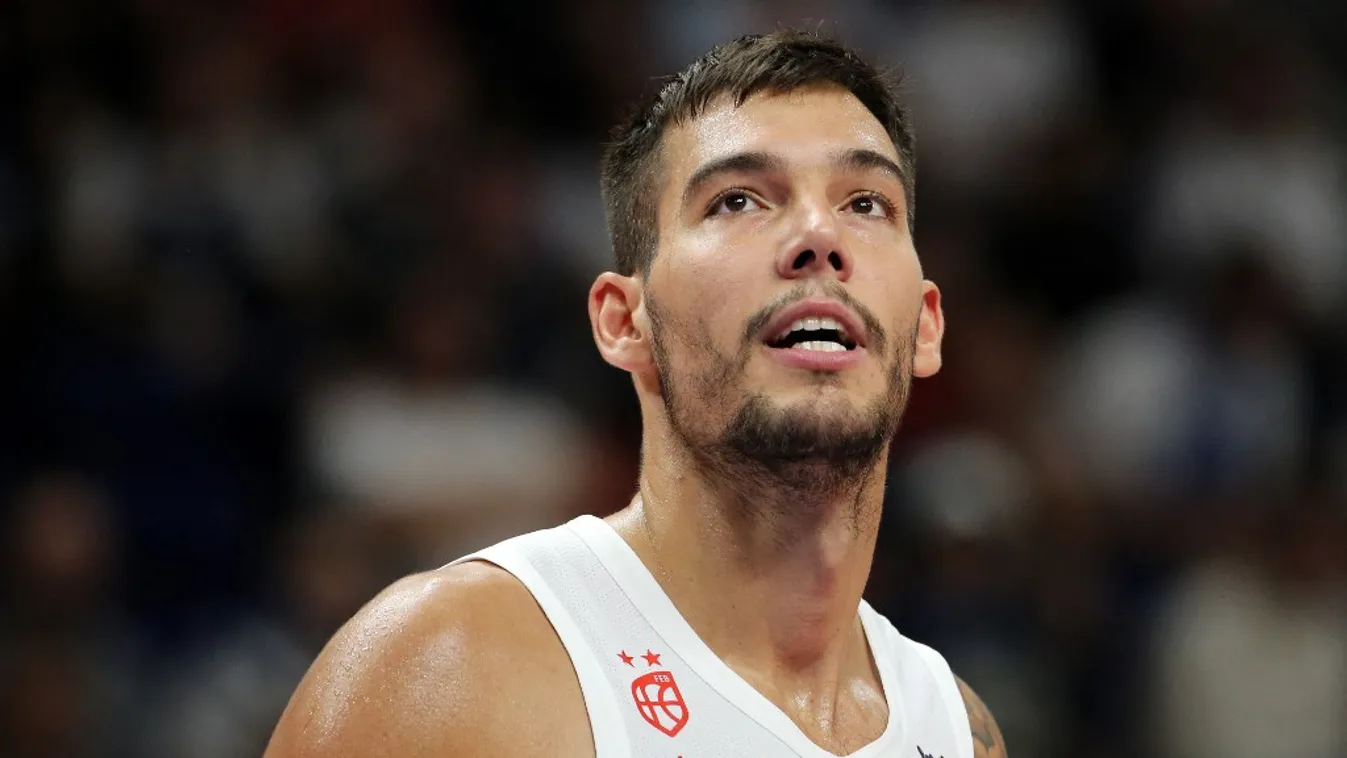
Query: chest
[{"x": 661, "y": 704}]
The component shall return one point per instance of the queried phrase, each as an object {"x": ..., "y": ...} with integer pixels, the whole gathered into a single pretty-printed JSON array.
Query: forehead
[{"x": 800, "y": 126}]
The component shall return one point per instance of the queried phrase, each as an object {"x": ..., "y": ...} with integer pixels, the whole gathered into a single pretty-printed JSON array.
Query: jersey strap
[{"x": 606, "y": 723}]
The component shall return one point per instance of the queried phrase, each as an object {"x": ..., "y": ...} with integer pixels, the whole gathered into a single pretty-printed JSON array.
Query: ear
[
  {"x": 930, "y": 331},
  {"x": 618, "y": 319}
]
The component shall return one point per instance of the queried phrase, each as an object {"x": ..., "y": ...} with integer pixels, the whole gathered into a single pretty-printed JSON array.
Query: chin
[
  {"x": 825, "y": 414},
  {"x": 831, "y": 397}
]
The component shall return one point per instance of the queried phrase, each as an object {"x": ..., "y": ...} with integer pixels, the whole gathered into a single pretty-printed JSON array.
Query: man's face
[{"x": 784, "y": 212}]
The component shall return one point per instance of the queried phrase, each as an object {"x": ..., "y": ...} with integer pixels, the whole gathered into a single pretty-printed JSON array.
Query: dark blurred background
[{"x": 292, "y": 303}]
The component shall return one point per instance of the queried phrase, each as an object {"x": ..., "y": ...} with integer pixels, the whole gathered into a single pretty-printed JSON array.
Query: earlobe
[
  {"x": 616, "y": 316},
  {"x": 930, "y": 332}
]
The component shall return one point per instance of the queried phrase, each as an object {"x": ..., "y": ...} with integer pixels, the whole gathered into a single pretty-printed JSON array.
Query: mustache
[{"x": 876, "y": 337}]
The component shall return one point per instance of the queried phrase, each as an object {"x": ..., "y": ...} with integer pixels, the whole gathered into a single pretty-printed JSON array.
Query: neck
[{"x": 769, "y": 578}]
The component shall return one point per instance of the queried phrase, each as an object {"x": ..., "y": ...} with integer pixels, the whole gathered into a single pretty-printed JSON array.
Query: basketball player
[{"x": 770, "y": 308}]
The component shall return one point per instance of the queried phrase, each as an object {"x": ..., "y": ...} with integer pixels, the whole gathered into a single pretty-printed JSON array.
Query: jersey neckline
[{"x": 645, "y": 592}]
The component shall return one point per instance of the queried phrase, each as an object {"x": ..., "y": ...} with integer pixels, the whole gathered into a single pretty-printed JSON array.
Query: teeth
[
  {"x": 812, "y": 324},
  {"x": 820, "y": 345}
]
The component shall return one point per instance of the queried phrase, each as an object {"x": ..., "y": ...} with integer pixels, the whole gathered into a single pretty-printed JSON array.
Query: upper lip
[{"x": 816, "y": 309}]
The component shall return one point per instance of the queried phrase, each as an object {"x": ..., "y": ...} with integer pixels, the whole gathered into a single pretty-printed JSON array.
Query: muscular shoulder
[
  {"x": 431, "y": 667},
  {"x": 987, "y": 741}
]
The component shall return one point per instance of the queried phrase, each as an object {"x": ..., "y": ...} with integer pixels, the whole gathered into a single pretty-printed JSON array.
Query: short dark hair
[{"x": 779, "y": 62}]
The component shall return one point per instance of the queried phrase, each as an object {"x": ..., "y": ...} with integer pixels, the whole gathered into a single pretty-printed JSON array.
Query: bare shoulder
[
  {"x": 987, "y": 741},
  {"x": 439, "y": 664}
]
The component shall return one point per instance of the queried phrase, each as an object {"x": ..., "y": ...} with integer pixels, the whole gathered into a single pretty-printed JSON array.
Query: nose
[{"x": 814, "y": 247}]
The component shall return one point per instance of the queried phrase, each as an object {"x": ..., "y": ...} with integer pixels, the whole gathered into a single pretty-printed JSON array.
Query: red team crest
[{"x": 660, "y": 702}]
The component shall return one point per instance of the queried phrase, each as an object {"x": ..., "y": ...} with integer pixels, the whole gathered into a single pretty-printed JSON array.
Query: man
[{"x": 770, "y": 308}]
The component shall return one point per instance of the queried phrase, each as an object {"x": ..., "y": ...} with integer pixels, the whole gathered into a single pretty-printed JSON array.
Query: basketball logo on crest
[
  {"x": 660, "y": 702},
  {"x": 657, "y": 696}
]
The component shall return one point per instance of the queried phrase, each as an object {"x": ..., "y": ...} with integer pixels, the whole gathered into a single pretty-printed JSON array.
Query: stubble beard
[{"x": 771, "y": 456}]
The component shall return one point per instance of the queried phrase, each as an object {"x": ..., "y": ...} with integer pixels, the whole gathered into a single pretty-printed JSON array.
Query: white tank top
[{"x": 653, "y": 689}]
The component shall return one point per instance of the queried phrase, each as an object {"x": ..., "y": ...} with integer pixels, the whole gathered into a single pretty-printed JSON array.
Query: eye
[
  {"x": 733, "y": 201},
  {"x": 871, "y": 204}
]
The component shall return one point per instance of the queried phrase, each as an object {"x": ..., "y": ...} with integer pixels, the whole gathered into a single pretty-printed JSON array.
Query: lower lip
[{"x": 818, "y": 360}]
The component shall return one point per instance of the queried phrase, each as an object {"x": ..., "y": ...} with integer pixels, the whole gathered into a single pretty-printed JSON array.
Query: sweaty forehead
[{"x": 801, "y": 126}]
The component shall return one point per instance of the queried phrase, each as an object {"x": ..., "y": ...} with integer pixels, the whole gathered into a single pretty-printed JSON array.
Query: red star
[
  {"x": 627, "y": 659},
  {"x": 651, "y": 659}
]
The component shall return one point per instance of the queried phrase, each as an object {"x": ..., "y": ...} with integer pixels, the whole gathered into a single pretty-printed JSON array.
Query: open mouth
[{"x": 820, "y": 334}]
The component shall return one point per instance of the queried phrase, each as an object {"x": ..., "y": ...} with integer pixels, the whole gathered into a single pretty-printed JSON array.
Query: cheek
[
  {"x": 897, "y": 278},
  {"x": 708, "y": 270},
  {"x": 714, "y": 294},
  {"x": 685, "y": 329}
]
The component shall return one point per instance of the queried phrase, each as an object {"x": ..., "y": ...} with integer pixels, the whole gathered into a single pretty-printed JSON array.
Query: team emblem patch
[{"x": 659, "y": 701}]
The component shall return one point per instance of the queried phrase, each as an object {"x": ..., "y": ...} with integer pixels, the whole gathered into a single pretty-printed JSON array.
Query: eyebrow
[
  {"x": 737, "y": 163},
  {"x": 868, "y": 160},
  {"x": 759, "y": 162}
]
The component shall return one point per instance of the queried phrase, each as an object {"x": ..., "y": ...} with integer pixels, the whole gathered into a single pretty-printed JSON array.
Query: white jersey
[{"x": 653, "y": 689}]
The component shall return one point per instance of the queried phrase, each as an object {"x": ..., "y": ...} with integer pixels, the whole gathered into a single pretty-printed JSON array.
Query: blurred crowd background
[{"x": 292, "y": 303}]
